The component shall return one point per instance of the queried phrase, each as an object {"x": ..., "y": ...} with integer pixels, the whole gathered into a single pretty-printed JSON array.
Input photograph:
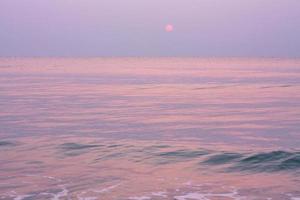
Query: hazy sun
[{"x": 169, "y": 28}]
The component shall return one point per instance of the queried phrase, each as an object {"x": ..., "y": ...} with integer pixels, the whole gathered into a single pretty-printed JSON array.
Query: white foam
[
  {"x": 79, "y": 197},
  {"x": 200, "y": 196},
  {"x": 159, "y": 194},
  {"x": 140, "y": 198},
  {"x": 106, "y": 189},
  {"x": 153, "y": 194},
  {"x": 20, "y": 197},
  {"x": 194, "y": 196},
  {"x": 293, "y": 197},
  {"x": 87, "y": 198},
  {"x": 13, "y": 194},
  {"x": 63, "y": 193}
]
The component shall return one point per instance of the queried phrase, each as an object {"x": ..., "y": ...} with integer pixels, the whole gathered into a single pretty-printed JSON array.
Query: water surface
[{"x": 149, "y": 128}]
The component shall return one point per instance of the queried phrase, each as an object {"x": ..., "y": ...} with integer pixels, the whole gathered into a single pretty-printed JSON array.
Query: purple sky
[{"x": 137, "y": 28}]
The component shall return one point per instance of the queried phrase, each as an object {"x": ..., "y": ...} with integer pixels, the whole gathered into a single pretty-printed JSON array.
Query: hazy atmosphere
[
  {"x": 247, "y": 28},
  {"x": 149, "y": 100}
]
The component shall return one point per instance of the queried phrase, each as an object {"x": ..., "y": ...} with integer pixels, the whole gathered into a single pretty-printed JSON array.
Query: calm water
[{"x": 149, "y": 128}]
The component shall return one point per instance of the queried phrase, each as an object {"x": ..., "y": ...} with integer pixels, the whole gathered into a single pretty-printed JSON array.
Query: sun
[{"x": 169, "y": 28}]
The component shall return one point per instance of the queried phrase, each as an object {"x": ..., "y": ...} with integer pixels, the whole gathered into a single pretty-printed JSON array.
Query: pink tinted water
[{"x": 149, "y": 128}]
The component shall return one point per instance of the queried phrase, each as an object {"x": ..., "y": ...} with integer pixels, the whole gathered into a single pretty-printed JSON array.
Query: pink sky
[{"x": 137, "y": 28}]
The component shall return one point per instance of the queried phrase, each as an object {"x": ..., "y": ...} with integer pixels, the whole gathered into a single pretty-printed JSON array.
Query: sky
[{"x": 204, "y": 28}]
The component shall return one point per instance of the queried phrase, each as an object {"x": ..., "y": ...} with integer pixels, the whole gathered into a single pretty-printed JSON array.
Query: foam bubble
[{"x": 140, "y": 198}]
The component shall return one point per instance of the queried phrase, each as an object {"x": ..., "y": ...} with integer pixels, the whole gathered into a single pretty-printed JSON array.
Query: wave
[
  {"x": 163, "y": 154},
  {"x": 258, "y": 162}
]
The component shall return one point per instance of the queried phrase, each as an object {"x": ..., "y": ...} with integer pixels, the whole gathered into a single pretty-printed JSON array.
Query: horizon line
[{"x": 137, "y": 57}]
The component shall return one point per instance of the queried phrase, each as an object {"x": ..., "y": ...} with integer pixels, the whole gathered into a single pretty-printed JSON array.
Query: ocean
[{"x": 149, "y": 129}]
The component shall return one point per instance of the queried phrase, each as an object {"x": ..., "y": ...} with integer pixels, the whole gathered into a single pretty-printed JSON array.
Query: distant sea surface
[{"x": 149, "y": 129}]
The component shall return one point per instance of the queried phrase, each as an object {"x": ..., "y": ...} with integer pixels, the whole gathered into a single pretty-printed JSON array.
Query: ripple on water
[
  {"x": 6, "y": 144},
  {"x": 76, "y": 149},
  {"x": 76, "y": 146}
]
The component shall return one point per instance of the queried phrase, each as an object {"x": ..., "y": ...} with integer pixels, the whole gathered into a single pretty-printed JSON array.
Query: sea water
[{"x": 149, "y": 128}]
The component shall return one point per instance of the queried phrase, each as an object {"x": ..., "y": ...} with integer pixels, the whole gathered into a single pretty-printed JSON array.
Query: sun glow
[{"x": 169, "y": 28}]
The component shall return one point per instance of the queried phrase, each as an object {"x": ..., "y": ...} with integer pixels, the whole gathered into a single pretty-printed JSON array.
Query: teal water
[{"x": 149, "y": 128}]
